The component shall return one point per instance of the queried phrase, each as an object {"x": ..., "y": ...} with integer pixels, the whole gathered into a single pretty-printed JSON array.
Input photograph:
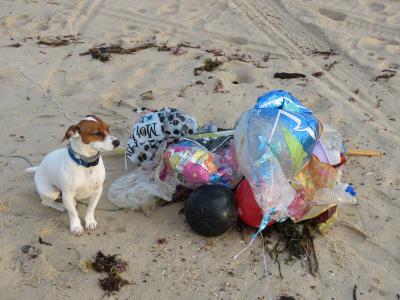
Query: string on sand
[
  {"x": 19, "y": 156},
  {"x": 46, "y": 95},
  {"x": 104, "y": 209}
]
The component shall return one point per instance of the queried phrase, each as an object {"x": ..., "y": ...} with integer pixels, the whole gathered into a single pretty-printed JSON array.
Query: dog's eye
[{"x": 96, "y": 133}]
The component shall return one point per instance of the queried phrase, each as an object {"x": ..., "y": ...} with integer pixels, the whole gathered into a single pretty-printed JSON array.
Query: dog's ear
[{"x": 72, "y": 131}]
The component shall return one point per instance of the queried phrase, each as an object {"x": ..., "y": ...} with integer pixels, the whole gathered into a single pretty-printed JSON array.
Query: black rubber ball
[{"x": 210, "y": 210}]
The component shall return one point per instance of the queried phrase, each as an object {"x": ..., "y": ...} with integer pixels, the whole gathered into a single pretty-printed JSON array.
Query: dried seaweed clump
[
  {"x": 108, "y": 263},
  {"x": 113, "y": 283},
  {"x": 208, "y": 66},
  {"x": 113, "y": 266},
  {"x": 297, "y": 240},
  {"x": 103, "y": 53}
]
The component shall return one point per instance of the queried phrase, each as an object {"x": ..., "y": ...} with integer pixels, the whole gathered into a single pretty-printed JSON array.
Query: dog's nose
[{"x": 115, "y": 143}]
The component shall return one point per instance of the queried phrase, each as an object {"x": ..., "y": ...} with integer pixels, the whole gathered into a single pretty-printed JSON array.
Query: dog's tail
[{"x": 32, "y": 169}]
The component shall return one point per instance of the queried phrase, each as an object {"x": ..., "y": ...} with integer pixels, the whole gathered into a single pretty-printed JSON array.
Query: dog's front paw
[
  {"x": 76, "y": 230},
  {"x": 90, "y": 224}
]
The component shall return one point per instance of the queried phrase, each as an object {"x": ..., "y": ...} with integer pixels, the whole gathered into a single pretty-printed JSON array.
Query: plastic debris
[
  {"x": 248, "y": 208},
  {"x": 329, "y": 147},
  {"x": 360, "y": 152},
  {"x": 202, "y": 159},
  {"x": 139, "y": 190},
  {"x": 340, "y": 194},
  {"x": 273, "y": 142},
  {"x": 151, "y": 133},
  {"x": 210, "y": 210}
]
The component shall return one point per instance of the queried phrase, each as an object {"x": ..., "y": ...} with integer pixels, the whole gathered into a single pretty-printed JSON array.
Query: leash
[
  {"x": 18, "y": 156},
  {"x": 104, "y": 209},
  {"x": 46, "y": 95}
]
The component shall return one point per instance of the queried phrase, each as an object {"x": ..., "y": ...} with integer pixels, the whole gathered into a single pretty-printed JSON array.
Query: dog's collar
[{"x": 86, "y": 162}]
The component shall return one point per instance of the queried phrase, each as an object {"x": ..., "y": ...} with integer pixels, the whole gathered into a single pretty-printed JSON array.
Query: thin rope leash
[{"x": 46, "y": 95}]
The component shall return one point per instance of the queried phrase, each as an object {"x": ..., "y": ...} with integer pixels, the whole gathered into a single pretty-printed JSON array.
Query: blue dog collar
[{"x": 86, "y": 162}]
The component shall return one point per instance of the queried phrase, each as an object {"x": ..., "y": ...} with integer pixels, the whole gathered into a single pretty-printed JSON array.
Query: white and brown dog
[{"x": 76, "y": 172}]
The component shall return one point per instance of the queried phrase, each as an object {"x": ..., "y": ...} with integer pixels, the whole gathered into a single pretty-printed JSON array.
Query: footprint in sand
[
  {"x": 42, "y": 27},
  {"x": 62, "y": 257},
  {"x": 16, "y": 21},
  {"x": 57, "y": 80},
  {"x": 46, "y": 261},
  {"x": 393, "y": 49},
  {"x": 169, "y": 9},
  {"x": 240, "y": 73},
  {"x": 238, "y": 40},
  {"x": 376, "y": 7},
  {"x": 132, "y": 27},
  {"x": 21, "y": 22},
  {"x": 59, "y": 84},
  {"x": 245, "y": 77},
  {"x": 332, "y": 14}
]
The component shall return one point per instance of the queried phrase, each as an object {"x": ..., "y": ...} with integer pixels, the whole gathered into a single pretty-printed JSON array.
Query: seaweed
[
  {"x": 285, "y": 75},
  {"x": 219, "y": 87},
  {"x": 216, "y": 52},
  {"x": 297, "y": 240},
  {"x": 41, "y": 241},
  {"x": 57, "y": 41},
  {"x": 112, "y": 283},
  {"x": 15, "y": 45},
  {"x": 386, "y": 76},
  {"x": 161, "y": 241},
  {"x": 164, "y": 47},
  {"x": 148, "y": 95},
  {"x": 285, "y": 297},
  {"x": 317, "y": 74},
  {"x": 328, "y": 67},
  {"x": 109, "y": 263},
  {"x": 355, "y": 292},
  {"x": 100, "y": 54},
  {"x": 103, "y": 53},
  {"x": 113, "y": 266},
  {"x": 209, "y": 65},
  {"x": 326, "y": 54}
]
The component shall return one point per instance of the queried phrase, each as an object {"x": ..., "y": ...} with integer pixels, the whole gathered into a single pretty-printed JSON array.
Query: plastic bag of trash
[
  {"x": 152, "y": 131},
  {"x": 139, "y": 190},
  {"x": 202, "y": 159},
  {"x": 329, "y": 146},
  {"x": 273, "y": 142}
]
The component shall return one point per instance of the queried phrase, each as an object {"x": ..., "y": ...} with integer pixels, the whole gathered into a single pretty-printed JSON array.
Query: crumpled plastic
[
  {"x": 273, "y": 142},
  {"x": 151, "y": 133},
  {"x": 139, "y": 190},
  {"x": 314, "y": 176},
  {"x": 203, "y": 159}
]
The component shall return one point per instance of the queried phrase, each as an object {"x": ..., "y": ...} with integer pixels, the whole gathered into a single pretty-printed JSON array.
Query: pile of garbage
[{"x": 279, "y": 162}]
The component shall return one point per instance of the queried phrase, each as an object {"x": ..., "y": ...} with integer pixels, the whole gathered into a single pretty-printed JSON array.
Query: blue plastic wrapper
[
  {"x": 273, "y": 142},
  {"x": 300, "y": 128}
]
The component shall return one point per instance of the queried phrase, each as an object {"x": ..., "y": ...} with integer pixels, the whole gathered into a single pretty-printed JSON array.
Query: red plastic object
[
  {"x": 249, "y": 211},
  {"x": 326, "y": 215}
]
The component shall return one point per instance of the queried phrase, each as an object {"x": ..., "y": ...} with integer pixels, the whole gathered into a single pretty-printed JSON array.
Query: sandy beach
[{"x": 355, "y": 87}]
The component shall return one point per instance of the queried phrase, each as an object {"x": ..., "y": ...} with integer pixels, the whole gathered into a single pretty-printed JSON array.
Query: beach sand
[{"x": 268, "y": 36}]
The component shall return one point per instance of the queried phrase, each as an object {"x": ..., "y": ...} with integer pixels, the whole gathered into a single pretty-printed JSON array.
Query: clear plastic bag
[
  {"x": 273, "y": 142},
  {"x": 260, "y": 167},
  {"x": 329, "y": 146},
  {"x": 341, "y": 194},
  {"x": 139, "y": 190}
]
